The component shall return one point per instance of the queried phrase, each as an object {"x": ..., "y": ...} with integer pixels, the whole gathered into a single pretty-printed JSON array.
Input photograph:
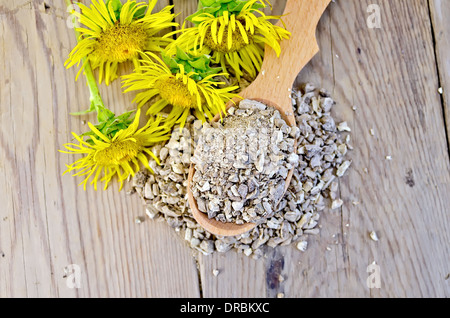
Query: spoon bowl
[
  {"x": 229, "y": 228},
  {"x": 273, "y": 87}
]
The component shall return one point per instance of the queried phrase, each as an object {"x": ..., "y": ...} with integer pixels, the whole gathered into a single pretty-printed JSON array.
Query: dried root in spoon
[{"x": 241, "y": 164}]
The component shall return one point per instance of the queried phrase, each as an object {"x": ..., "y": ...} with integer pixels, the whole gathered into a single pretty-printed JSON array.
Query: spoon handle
[{"x": 278, "y": 74}]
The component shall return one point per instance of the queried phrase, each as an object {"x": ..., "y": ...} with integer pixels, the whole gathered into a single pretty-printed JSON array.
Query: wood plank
[
  {"x": 183, "y": 9},
  {"x": 48, "y": 222},
  {"x": 241, "y": 276},
  {"x": 160, "y": 257},
  {"x": 390, "y": 75},
  {"x": 399, "y": 199},
  {"x": 440, "y": 11}
]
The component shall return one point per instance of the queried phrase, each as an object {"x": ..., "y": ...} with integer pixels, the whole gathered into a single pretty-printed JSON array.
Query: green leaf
[
  {"x": 113, "y": 125},
  {"x": 173, "y": 64},
  {"x": 117, "y": 7},
  {"x": 104, "y": 115},
  {"x": 90, "y": 110},
  {"x": 188, "y": 68},
  {"x": 218, "y": 7},
  {"x": 125, "y": 116},
  {"x": 235, "y": 7},
  {"x": 200, "y": 64},
  {"x": 116, "y": 4},
  {"x": 207, "y": 3},
  {"x": 181, "y": 54},
  {"x": 197, "y": 64},
  {"x": 140, "y": 13}
]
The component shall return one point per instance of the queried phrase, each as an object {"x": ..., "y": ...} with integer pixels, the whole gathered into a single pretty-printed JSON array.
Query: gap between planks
[{"x": 440, "y": 32}]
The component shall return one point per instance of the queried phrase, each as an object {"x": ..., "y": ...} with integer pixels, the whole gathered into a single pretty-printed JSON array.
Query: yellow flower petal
[
  {"x": 108, "y": 42},
  {"x": 108, "y": 157}
]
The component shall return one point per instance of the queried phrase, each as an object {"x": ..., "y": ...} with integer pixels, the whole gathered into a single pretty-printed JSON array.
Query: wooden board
[
  {"x": 47, "y": 222},
  {"x": 391, "y": 74},
  {"x": 439, "y": 11}
]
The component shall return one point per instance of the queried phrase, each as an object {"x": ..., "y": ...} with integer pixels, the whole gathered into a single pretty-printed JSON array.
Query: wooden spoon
[{"x": 273, "y": 87}]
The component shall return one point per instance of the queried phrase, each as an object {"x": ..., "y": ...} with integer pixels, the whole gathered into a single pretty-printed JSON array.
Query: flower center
[
  {"x": 176, "y": 93},
  {"x": 118, "y": 152},
  {"x": 237, "y": 42},
  {"x": 120, "y": 43}
]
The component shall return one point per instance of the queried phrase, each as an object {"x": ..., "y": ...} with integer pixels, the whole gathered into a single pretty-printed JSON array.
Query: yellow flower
[
  {"x": 107, "y": 156},
  {"x": 235, "y": 39},
  {"x": 115, "y": 33},
  {"x": 204, "y": 97}
]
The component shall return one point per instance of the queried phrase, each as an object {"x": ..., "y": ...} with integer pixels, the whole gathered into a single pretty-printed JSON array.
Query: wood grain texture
[
  {"x": 47, "y": 222},
  {"x": 183, "y": 9},
  {"x": 391, "y": 74}
]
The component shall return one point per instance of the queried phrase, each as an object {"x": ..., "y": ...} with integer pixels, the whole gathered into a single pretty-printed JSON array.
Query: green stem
[{"x": 103, "y": 114}]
